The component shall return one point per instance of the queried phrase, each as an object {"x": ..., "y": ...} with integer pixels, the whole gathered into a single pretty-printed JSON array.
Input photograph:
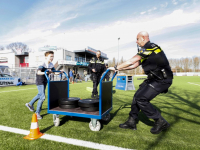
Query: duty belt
[{"x": 161, "y": 74}]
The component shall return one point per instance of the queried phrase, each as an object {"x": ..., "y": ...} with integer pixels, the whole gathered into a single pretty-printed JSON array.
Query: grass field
[{"x": 180, "y": 107}]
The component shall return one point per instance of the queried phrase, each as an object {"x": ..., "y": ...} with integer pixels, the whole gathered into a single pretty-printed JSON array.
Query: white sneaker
[
  {"x": 38, "y": 116},
  {"x": 31, "y": 108}
]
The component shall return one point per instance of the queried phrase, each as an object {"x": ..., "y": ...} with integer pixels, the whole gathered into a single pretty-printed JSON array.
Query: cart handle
[
  {"x": 105, "y": 75},
  {"x": 45, "y": 73}
]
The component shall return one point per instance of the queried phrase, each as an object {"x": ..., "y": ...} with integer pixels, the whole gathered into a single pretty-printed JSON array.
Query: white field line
[
  {"x": 17, "y": 90},
  {"x": 194, "y": 83},
  {"x": 65, "y": 140}
]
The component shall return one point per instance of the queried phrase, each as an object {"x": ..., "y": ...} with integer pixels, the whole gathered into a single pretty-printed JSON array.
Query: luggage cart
[{"x": 60, "y": 89}]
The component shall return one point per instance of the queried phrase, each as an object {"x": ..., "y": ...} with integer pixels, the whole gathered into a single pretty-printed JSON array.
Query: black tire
[
  {"x": 90, "y": 108},
  {"x": 88, "y": 103},
  {"x": 69, "y": 101},
  {"x": 68, "y": 106}
]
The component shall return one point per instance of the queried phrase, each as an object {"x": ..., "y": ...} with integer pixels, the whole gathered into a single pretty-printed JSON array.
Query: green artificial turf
[{"x": 180, "y": 107}]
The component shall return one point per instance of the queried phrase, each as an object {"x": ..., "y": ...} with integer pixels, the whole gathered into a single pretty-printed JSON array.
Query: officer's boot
[
  {"x": 92, "y": 95},
  {"x": 129, "y": 124},
  {"x": 159, "y": 125},
  {"x": 97, "y": 96}
]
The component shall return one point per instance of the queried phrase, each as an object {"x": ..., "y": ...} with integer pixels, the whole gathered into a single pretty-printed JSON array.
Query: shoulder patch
[{"x": 142, "y": 50}]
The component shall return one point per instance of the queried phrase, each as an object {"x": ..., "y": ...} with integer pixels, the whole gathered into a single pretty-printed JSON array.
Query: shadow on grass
[
  {"x": 44, "y": 115},
  {"x": 46, "y": 129},
  {"x": 114, "y": 91},
  {"x": 141, "y": 116},
  {"x": 64, "y": 119},
  {"x": 187, "y": 102}
]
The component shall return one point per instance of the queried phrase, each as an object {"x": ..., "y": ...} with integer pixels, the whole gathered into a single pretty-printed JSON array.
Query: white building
[{"x": 77, "y": 60}]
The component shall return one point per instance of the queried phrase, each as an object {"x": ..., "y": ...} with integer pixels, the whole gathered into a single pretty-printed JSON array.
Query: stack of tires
[
  {"x": 89, "y": 104},
  {"x": 68, "y": 103}
]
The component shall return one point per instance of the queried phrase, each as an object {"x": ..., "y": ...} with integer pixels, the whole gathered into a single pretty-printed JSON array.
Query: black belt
[{"x": 160, "y": 75}]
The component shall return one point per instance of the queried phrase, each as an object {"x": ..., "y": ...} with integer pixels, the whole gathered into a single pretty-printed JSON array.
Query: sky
[{"x": 174, "y": 25}]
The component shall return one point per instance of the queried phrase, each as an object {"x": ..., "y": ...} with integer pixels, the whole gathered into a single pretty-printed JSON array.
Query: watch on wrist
[{"x": 115, "y": 67}]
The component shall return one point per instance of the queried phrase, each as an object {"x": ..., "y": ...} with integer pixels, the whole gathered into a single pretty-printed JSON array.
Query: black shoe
[
  {"x": 160, "y": 125},
  {"x": 96, "y": 96},
  {"x": 129, "y": 124},
  {"x": 92, "y": 95}
]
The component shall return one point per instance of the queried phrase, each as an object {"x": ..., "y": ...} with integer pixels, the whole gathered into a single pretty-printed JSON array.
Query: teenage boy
[{"x": 41, "y": 82}]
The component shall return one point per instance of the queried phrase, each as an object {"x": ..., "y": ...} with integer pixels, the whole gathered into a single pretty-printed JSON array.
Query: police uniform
[
  {"x": 99, "y": 66},
  {"x": 159, "y": 79},
  {"x": 107, "y": 76}
]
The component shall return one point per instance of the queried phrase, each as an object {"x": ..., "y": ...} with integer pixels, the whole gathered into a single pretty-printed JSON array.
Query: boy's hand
[
  {"x": 61, "y": 71},
  {"x": 50, "y": 71}
]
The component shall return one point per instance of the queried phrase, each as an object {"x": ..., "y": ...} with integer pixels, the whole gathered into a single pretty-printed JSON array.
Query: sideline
[
  {"x": 65, "y": 140},
  {"x": 194, "y": 83},
  {"x": 17, "y": 90}
]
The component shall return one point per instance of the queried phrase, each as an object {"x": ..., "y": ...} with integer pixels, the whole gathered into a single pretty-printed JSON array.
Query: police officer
[
  {"x": 159, "y": 79},
  {"x": 97, "y": 67},
  {"x": 107, "y": 76}
]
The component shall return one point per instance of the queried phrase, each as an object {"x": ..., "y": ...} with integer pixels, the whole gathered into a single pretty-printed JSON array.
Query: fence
[
  {"x": 26, "y": 74},
  {"x": 187, "y": 74}
]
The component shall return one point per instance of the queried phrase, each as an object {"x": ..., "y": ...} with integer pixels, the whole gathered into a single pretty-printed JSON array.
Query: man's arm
[
  {"x": 132, "y": 66},
  {"x": 128, "y": 63}
]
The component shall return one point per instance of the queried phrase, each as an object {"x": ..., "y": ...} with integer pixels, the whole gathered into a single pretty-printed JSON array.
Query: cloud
[
  {"x": 56, "y": 25},
  {"x": 150, "y": 10},
  {"x": 143, "y": 12},
  {"x": 29, "y": 35},
  {"x": 174, "y": 2},
  {"x": 47, "y": 27},
  {"x": 106, "y": 36},
  {"x": 164, "y": 5}
]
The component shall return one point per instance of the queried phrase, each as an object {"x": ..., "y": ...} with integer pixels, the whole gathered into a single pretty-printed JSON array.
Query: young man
[
  {"x": 156, "y": 67},
  {"x": 41, "y": 83}
]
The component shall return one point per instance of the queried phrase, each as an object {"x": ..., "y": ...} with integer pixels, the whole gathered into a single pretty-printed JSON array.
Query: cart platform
[{"x": 60, "y": 89}]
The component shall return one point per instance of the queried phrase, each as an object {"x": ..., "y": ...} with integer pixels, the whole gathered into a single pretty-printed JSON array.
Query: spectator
[
  {"x": 71, "y": 75},
  {"x": 60, "y": 75},
  {"x": 51, "y": 76},
  {"x": 85, "y": 75},
  {"x": 77, "y": 77}
]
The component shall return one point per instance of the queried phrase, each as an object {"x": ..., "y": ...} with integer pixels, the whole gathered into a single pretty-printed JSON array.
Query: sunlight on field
[{"x": 180, "y": 107}]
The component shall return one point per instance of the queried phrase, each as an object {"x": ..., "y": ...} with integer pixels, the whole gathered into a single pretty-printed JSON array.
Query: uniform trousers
[
  {"x": 96, "y": 80},
  {"x": 148, "y": 90}
]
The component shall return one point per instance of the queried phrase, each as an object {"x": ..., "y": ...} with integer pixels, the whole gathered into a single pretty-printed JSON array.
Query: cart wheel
[
  {"x": 96, "y": 127},
  {"x": 106, "y": 117},
  {"x": 56, "y": 120}
]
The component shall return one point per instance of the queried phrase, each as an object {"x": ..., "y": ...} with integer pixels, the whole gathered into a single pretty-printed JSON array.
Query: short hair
[
  {"x": 48, "y": 52},
  {"x": 99, "y": 51}
]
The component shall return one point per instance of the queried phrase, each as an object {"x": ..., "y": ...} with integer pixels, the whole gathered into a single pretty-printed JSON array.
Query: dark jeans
[
  {"x": 106, "y": 78},
  {"x": 141, "y": 101},
  {"x": 96, "y": 80}
]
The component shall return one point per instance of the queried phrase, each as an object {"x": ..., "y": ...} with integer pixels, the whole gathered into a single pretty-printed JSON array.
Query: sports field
[{"x": 180, "y": 107}]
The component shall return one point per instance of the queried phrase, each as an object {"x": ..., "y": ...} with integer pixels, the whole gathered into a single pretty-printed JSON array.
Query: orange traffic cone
[
  {"x": 34, "y": 131},
  {"x": 72, "y": 82}
]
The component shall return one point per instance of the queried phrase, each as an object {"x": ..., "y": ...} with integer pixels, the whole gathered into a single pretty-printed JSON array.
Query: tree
[
  {"x": 1, "y": 47},
  {"x": 196, "y": 62},
  {"x": 18, "y": 47}
]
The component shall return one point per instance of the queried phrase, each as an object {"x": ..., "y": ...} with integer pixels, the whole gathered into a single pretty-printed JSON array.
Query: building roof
[{"x": 87, "y": 53}]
